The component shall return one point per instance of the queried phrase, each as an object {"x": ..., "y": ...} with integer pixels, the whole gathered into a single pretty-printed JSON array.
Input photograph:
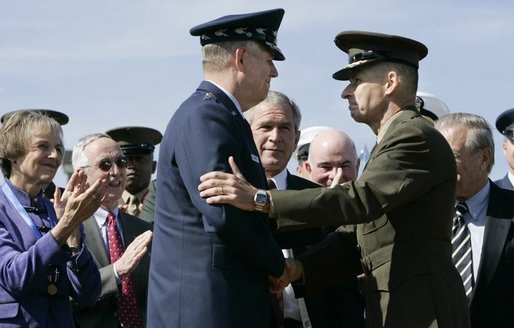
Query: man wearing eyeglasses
[
  {"x": 118, "y": 241},
  {"x": 483, "y": 240},
  {"x": 138, "y": 144},
  {"x": 505, "y": 124}
]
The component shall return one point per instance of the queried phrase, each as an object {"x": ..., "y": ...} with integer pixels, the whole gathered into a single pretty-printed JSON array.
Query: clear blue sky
[{"x": 117, "y": 63}]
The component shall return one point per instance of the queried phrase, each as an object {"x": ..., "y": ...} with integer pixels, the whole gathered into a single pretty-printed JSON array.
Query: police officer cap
[
  {"x": 306, "y": 137},
  {"x": 431, "y": 106},
  {"x": 364, "y": 48},
  {"x": 504, "y": 123},
  {"x": 260, "y": 26},
  {"x": 136, "y": 140},
  {"x": 61, "y": 118}
]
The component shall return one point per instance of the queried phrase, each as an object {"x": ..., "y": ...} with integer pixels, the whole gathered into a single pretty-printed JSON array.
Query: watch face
[{"x": 261, "y": 197}]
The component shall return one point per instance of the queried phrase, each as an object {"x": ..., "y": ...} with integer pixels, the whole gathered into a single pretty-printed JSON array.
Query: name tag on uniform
[{"x": 255, "y": 158}]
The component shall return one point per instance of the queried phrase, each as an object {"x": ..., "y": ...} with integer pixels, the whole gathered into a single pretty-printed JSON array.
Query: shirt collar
[
  {"x": 101, "y": 216},
  {"x": 511, "y": 177},
  {"x": 386, "y": 126},
  {"x": 281, "y": 180},
  {"x": 231, "y": 96},
  {"x": 478, "y": 202}
]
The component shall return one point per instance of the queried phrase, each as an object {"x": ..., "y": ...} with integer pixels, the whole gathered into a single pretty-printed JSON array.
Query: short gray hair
[
  {"x": 16, "y": 134},
  {"x": 216, "y": 56},
  {"x": 480, "y": 135},
  {"x": 78, "y": 157},
  {"x": 278, "y": 98}
]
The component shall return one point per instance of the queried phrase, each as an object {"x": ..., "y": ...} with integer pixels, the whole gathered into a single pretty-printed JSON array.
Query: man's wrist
[{"x": 261, "y": 201}]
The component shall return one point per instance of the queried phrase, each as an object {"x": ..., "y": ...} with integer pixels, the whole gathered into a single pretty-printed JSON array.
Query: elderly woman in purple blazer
[{"x": 44, "y": 265}]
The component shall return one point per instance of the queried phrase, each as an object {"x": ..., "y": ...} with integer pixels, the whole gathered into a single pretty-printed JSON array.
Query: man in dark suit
[
  {"x": 331, "y": 151},
  {"x": 401, "y": 203},
  {"x": 138, "y": 144},
  {"x": 210, "y": 263},
  {"x": 275, "y": 124},
  {"x": 505, "y": 124},
  {"x": 488, "y": 221},
  {"x": 124, "y": 263}
]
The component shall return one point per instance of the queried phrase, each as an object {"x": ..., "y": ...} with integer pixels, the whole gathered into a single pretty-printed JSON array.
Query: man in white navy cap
[
  {"x": 401, "y": 204},
  {"x": 302, "y": 149},
  {"x": 138, "y": 144},
  {"x": 505, "y": 125},
  {"x": 210, "y": 263},
  {"x": 430, "y": 106}
]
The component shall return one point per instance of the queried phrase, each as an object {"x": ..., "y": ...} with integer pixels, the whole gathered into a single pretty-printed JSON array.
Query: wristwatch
[{"x": 260, "y": 200}]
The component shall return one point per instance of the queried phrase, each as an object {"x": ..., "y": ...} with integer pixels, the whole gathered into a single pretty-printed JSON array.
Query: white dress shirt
[{"x": 100, "y": 217}]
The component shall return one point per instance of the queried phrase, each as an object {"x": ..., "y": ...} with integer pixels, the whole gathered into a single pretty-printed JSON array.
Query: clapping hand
[{"x": 77, "y": 203}]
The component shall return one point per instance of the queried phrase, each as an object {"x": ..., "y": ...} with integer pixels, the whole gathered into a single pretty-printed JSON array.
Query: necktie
[
  {"x": 127, "y": 305},
  {"x": 271, "y": 184},
  {"x": 133, "y": 207},
  {"x": 461, "y": 241}
]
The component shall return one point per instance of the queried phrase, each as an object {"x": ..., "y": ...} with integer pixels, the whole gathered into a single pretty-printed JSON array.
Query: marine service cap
[{"x": 364, "y": 48}]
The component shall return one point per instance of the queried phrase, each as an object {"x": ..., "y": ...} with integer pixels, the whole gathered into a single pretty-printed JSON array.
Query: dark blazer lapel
[
  {"x": 129, "y": 232},
  {"x": 497, "y": 226},
  {"x": 504, "y": 183},
  {"x": 297, "y": 183},
  {"x": 95, "y": 242}
]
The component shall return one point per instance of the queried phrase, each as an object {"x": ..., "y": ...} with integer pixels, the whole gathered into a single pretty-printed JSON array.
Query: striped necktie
[{"x": 461, "y": 241}]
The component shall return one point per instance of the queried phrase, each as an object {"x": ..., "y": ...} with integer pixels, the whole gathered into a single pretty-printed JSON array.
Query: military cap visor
[
  {"x": 504, "y": 123},
  {"x": 302, "y": 153},
  {"x": 364, "y": 48},
  {"x": 136, "y": 140},
  {"x": 259, "y": 26},
  {"x": 61, "y": 118}
]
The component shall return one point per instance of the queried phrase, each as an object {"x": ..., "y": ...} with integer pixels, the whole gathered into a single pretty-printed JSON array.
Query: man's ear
[
  {"x": 392, "y": 82},
  {"x": 308, "y": 166},
  {"x": 240, "y": 58},
  {"x": 154, "y": 166}
]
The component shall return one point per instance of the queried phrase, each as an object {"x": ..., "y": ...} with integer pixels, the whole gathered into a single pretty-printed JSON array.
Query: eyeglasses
[{"x": 105, "y": 165}]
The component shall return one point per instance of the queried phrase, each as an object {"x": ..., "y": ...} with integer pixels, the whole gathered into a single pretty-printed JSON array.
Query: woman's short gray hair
[{"x": 16, "y": 133}]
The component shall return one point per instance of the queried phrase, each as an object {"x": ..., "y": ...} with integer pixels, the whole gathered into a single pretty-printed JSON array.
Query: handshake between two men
[{"x": 233, "y": 189}]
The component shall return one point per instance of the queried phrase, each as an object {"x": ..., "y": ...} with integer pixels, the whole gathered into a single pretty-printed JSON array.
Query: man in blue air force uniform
[{"x": 210, "y": 263}]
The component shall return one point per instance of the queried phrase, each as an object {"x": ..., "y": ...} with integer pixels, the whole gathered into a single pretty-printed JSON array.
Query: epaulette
[{"x": 209, "y": 96}]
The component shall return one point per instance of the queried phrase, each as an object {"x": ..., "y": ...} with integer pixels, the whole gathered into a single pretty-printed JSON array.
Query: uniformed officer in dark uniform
[
  {"x": 138, "y": 144},
  {"x": 210, "y": 263},
  {"x": 505, "y": 125}
]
